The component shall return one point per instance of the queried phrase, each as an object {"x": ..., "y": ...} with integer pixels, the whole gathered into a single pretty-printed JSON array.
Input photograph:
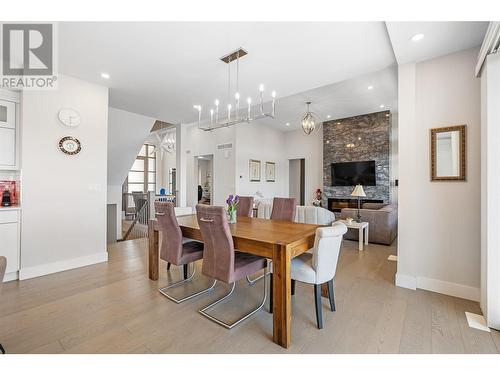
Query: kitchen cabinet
[
  {"x": 8, "y": 135},
  {"x": 10, "y": 240}
]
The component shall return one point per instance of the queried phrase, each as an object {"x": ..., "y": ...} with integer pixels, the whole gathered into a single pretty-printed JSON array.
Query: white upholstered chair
[
  {"x": 303, "y": 214},
  {"x": 314, "y": 215},
  {"x": 264, "y": 210},
  {"x": 320, "y": 265}
]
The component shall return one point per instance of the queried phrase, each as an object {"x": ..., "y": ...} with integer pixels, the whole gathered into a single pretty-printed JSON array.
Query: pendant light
[{"x": 308, "y": 121}]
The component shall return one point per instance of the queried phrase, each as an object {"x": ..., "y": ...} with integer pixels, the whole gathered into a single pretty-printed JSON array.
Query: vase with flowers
[{"x": 232, "y": 204}]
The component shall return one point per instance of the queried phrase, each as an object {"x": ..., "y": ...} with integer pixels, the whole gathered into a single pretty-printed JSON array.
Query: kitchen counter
[{"x": 10, "y": 208}]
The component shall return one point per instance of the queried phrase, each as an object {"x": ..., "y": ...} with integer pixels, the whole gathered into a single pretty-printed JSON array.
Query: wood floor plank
[
  {"x": 496, "y": 338},
  {"x": 446, "y": 336},
  {"x": 416, "y": 335},
  {"x": 475, "y": 341}
]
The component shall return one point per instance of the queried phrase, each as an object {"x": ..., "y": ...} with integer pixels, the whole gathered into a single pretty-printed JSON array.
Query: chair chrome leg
[
  {"x": 165, "y": 288},
  {"x": 252, "y": 282},
  {"x": 204, "y": 312}
]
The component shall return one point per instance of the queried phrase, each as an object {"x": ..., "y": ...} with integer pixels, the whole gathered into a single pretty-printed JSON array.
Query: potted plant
[{"x": 232, "y": 203}]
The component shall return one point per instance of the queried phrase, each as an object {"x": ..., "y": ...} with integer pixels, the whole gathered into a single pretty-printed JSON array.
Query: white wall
[
  {"x": 198, "y": 142},
  {"x": 260, "y": 142},
  {"x": 254, "y": 141},
  {"x": 439, "y": 222},
  {"x": 298, "y": 145},
  {"x": 490, "y": 185},
  {"x": 127, "y": 132},
  {"x": 64, "y": 197}
]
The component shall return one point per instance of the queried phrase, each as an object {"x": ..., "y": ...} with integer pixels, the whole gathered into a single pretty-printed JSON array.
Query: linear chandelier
[{"x": 224, "y": 118}]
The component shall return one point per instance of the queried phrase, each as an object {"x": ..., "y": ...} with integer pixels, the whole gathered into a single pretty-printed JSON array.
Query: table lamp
[{"x": 358, "y": 192}]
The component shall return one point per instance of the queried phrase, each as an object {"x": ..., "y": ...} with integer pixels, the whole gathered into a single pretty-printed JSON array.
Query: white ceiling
[
  {"x": 440, "y": 38},
  {"x": 162, "y": 69},
  {"x": 339, "y": 100}
]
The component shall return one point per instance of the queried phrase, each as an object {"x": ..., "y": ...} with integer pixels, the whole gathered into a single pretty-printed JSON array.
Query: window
[{"x": 142, "y": 176}]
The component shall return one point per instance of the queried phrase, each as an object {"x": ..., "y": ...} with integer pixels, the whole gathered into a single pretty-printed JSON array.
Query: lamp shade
[{"x": 358, "y": 191}]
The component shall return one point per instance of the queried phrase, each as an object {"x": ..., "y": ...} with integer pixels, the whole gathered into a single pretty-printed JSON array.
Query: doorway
[
  {"x": 297, "y": 180},
  {"x": 204, "y": 182}
]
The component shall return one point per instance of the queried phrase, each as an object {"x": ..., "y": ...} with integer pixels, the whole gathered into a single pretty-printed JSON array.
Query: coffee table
[{"x": 361, "y": 227}]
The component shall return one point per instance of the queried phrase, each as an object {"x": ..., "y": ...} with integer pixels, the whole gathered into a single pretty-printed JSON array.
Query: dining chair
[
  {"x": 245, "y": 207},
  {"x": 319, "y": 266},
  {"x": 174, "y": 251},
  {"x": 221, "y": 261},
  {"x": 284, "y": 209},
  {"x": 3, "y": 266}
]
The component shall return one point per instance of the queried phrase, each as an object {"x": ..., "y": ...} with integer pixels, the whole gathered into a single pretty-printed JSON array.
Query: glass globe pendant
[{"x": 308, "y": 122}]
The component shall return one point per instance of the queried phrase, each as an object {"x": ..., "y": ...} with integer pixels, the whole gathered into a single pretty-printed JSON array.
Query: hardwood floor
[{"x": 114, "y": 308}]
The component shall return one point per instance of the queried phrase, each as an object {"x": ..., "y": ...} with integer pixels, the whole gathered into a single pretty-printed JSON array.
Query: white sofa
[{"x": 303, "y": 214}]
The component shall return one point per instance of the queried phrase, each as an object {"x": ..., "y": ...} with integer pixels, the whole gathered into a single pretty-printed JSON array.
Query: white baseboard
[
  {"x": 438, "y": 286},
  {"x": 451, "y": 289},
  {"x": 405, "y": 281},
  {"x": 64, "y": 265},
  {"x": 11, "y": 276}
]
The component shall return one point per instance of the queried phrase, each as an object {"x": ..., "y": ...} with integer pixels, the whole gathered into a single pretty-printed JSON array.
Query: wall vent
[{"x": 225, "y": 146}]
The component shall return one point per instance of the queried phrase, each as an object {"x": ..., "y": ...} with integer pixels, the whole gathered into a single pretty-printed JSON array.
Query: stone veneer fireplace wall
[{"x": 358, "y": 138}]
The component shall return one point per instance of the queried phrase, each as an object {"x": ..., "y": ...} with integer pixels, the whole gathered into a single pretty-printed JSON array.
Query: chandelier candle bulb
[
  {"x": 228, "y": 113},
  {"x": 211, "y": 117},
  {"x": 249, "y": 101}
]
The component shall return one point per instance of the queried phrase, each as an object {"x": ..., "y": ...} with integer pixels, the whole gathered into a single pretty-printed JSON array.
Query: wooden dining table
[{"x": 277, "y": 240}]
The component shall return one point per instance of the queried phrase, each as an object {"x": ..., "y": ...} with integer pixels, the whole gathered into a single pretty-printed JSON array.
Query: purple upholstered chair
[
  {"x": 220, "y": 259},
  {"x": 245, "y": 207},
  {"x": 174, "y": 251},
  {"x": 284, "y": 209}
]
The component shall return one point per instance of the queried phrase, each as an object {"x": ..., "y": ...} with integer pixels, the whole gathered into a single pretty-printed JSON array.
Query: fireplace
[{"x": 337, "y": 204}]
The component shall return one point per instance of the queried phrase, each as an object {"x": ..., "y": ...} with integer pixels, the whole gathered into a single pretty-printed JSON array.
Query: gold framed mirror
[{"x": 448, "y": 153}]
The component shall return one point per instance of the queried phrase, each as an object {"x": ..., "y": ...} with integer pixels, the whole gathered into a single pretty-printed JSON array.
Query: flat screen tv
[{"x": 354, "y": 173}]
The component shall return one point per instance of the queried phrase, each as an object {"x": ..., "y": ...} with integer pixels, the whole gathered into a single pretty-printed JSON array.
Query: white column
[
  {"x": 407, "y": 194},
  {"x": 181, "y": 165},
  {"x": 490, "y": 187}
]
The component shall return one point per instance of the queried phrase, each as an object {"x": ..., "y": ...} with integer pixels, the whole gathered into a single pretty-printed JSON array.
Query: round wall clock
[
  {"x": 69, "y": 117},
  {"x": 70, "y": 145}
]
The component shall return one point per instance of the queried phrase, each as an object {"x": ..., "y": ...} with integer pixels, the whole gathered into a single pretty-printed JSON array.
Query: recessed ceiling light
[
  {"x": 328, "y": 116},
  {"x": 370, "y": 87},
  {"x": 417, "y": 37},
  {"x": 327, "y": 142},
  {"x": 287, "y": 124},
  {"x": 105, "y": 75},
  {"x": 338, "y": 123},
  {"x": 381, "y": 106}
]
